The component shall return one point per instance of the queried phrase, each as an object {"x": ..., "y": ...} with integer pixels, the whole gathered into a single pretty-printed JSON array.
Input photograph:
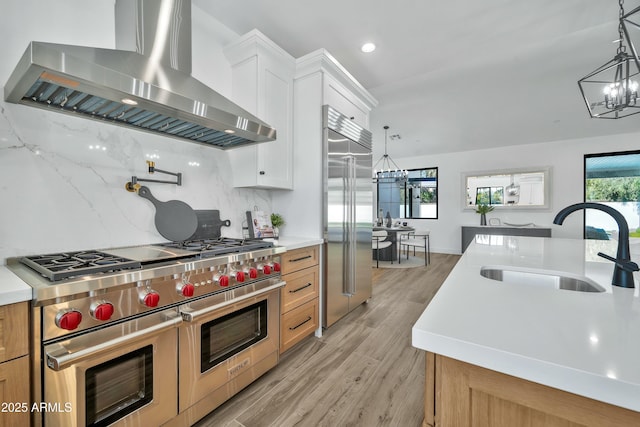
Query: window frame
[{"x": 403, "y": 206}]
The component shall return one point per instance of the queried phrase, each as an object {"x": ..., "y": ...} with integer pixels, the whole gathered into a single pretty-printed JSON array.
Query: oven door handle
[
  {"x": 60, "y": 357},
  {"x": 191, "y": 315}
]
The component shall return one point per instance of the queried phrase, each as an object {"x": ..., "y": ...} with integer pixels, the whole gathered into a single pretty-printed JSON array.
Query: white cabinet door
[
  {"x": 275, "y": 159},
  {"x": 343, "y": 100},
  {"x": 263, "y": 84}
]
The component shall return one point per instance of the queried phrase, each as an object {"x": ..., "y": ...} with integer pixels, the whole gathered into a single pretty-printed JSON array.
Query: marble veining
[{"x": 62, "y": 183}]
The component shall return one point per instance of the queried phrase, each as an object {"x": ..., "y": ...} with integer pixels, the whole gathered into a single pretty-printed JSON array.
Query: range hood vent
[{"x": 147, "y": 89}]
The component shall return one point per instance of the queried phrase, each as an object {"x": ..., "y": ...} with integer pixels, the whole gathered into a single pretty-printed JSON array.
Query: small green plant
[
  {"x": 484, "y": 209},
  {"x": 277, "y": 220}
]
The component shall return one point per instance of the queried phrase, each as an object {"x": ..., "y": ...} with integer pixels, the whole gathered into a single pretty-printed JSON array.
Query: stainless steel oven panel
[
  {"x": 67, "y": 386},
  {"x": 215, "y": 384},
  {"x": 127, "y": 302},
  {"x": 205, "y": 283},
  {"x": 61, "y": 355},
  {"x": 47, "y": 292},
  {"x": 194, "y": 310}
]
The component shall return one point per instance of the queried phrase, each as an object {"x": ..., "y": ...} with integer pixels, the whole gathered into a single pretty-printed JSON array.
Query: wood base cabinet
[
  {"x": 299, "y": 297},
  {"x": 14, "y": 367},
  {"x": 458, "y": 394}
]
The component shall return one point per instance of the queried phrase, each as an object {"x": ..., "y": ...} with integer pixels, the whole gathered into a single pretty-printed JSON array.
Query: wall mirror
[
  {"x": 417, "y": 198},
  {"x": 508, "y": 188}
]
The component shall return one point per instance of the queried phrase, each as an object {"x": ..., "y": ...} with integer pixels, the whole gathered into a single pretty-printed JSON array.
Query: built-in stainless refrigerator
[{"x": 348, "y": 214}]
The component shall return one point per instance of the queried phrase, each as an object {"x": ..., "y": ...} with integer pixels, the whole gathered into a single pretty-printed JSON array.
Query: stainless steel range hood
[{"x": 145, "y": 84}]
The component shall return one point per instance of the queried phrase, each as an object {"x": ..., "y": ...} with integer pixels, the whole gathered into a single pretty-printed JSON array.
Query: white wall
[
  {"x": 57, "y": 191},
  {"x": 564, "y": 157}
]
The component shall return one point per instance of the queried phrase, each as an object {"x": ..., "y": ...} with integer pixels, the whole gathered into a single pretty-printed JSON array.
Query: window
[
  {"x": 489, "y": 195},
  {"x": 415, "y": 199},
  {"x": 612, "y": 179}
]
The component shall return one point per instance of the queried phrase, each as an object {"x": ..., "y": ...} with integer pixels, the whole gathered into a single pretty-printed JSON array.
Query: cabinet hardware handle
[
  {"x": 299, "y": 289},
  {"x": 300, "y": 259},
  {"x": 297, "y": 326},
  {"x": 262, "y": 172}
]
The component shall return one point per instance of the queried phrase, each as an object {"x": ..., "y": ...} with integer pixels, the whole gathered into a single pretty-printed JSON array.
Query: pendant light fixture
[
  {"x": 611, "y": 91},
  {"x": 631, "y": 27},
  {"x": 385, "y": 169}
]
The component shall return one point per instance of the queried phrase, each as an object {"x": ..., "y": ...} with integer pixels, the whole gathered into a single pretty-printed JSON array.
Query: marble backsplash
[{"x": 62, "y": 183}]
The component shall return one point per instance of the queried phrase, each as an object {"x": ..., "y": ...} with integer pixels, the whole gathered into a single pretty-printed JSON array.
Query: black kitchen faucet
[{"x": 624, "y": 267}]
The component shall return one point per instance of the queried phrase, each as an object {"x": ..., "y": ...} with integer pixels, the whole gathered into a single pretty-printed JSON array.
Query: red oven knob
[
  {"x": 186, "y": 290},
  {"x": 240, "y": 276},
  {"x": 266, "y": 269},
  {"x": 222, "y": 280},
  {"x": 102, "y": 310},
  {"x": 68, "y": 319},
  {"x": 253, "y": 273},
  {"x": 150, "y": 299},
  {"x": 276, "y": 266}
]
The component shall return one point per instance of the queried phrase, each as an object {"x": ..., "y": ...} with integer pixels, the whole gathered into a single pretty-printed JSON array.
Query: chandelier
[
  {"x": 611, "y": 91},
  {"x": 631, "y": 27},
  {"x": 389, "y": 170}
]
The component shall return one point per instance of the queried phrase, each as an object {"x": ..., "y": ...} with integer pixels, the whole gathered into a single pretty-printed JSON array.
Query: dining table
[{"x": 390, "y": 253}]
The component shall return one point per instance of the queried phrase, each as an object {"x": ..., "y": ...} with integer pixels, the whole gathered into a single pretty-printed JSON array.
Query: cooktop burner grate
[
  {"x": 68, "y": 264},
  {"x": 212, "y": 247}
]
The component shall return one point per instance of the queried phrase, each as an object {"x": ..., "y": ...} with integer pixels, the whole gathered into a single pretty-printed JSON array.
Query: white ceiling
[{"x": 454, "y": 75}]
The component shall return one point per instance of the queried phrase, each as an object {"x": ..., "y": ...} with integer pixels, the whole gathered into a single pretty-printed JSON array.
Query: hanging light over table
[
  {"x": 385, "y": 169},
  {"x": 611, "y": 91},
  {"x": 631, "y": 27}
]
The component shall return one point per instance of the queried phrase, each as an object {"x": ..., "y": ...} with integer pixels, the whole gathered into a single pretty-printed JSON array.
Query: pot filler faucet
[{"x": 623, "y": 271}]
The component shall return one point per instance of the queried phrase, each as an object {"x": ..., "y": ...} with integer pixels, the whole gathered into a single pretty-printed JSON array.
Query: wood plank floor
[{"x": 362, "y": 372}]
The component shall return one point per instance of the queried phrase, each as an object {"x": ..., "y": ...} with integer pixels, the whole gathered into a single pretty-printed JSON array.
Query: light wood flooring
[{"x": 362, "y": 372}]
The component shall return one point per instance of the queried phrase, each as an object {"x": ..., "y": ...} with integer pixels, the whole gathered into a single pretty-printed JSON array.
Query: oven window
[
  {"x": 230, "y": 334},
  {"x": 118, "y": 387}
]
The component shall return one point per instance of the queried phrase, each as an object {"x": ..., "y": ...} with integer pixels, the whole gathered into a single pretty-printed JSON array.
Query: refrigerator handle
[
  {"x": 352, "y": 225},
  {"x": 346, "y": 226}
]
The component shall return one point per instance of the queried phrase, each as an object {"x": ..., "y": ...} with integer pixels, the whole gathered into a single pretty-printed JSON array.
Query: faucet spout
[{"x": 624, "y": 268}]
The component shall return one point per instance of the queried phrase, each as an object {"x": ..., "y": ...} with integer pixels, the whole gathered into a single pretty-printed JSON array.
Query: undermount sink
[{"x": 542, "y": 279}]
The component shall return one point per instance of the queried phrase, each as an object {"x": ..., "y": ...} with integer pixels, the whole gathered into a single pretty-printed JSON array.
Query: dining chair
[
  {"x": 379, "y": 241},
  {"x": 415, "y": 239}
]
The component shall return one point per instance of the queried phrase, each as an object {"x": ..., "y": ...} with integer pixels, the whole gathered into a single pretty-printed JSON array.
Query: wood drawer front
[
  {"x": 297, "y": 324},
  {"x": 298, "y": 259},
  {"x": 302, "y": 286},
  {"x": 15, "y": 392},
  {"x": 14, "y": 330}
]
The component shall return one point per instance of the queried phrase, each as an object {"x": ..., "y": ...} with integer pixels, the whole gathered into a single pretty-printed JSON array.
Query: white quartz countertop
[
  {"x": 509, "y": 226},
  {"x": 12, "y": 288},
  {"x": 581, "y": 342},
  {"x": 292, "y": 242}
]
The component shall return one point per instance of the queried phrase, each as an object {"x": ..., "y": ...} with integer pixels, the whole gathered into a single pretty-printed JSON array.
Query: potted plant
[
  {"x": 483, "y": 209},
  {"x": 277, "y": 221}
]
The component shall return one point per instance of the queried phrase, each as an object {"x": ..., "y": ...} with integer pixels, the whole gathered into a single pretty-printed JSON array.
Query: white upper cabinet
[
  {"x": 319, "y": 80},
  {"x": 262, "y": 83},
  {"x": 338, "y": 88}
]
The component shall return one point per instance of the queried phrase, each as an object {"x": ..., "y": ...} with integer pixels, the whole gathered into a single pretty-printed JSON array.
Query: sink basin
[{"x": 542, "y": 279}]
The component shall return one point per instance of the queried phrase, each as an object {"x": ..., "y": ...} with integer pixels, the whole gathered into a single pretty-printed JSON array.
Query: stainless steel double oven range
[{"x": 150, "y": 335}]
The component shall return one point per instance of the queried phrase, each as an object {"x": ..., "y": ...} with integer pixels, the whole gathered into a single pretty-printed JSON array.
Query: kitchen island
[{"x": 503, "y": 353}]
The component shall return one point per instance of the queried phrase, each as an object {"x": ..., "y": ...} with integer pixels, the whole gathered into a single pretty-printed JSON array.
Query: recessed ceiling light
[{"x": 368, "y": 47}]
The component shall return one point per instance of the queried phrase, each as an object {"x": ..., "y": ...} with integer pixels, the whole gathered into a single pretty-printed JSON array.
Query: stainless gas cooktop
[{"x": 64, "y": 275}]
